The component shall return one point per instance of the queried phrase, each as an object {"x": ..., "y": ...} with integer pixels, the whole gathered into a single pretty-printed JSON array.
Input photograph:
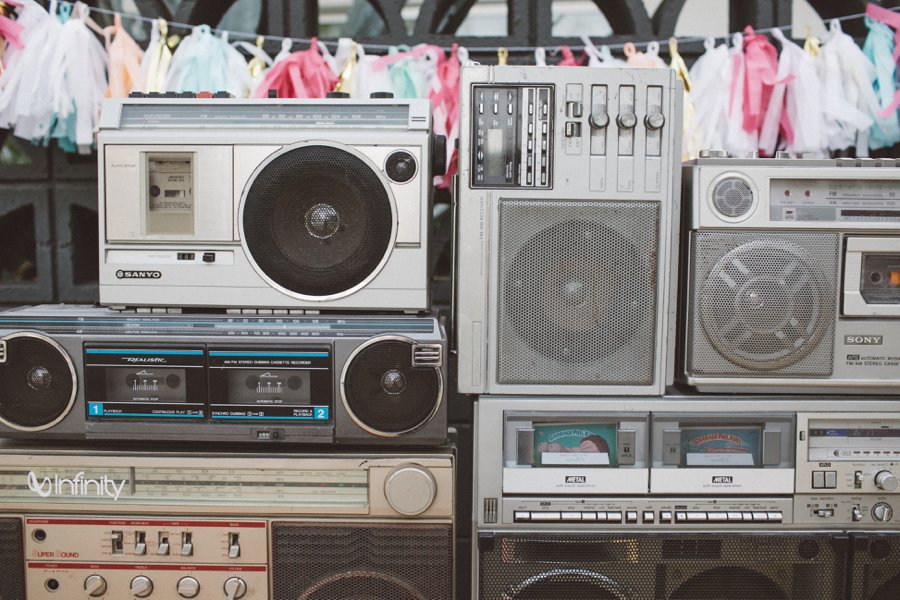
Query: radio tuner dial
[
  {"x": 882, "y": 512},
  {"x": 141, "y": 586},
  {"x": 654, "y": 120},
  {"x": 886, "y": 481},
  {"x": 599, "y": 120},
  {"x": 410, "y": 489},
  {"x": 95, "y": 586},
  {"x": 626, "y": 120}
]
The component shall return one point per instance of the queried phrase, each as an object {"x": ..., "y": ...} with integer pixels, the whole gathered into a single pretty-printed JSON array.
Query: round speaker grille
[
  {"x": 384, "y": 393},
  {"x": 570, "y": 584},
  {"x": 571, "y": 298},
  {"x": 361, "y": 585},
  {"x": 37, "y": 382},
  {"x": 729, "y": 583},
  {"x": 732, "y": 197},
  {"x": 763, "y": 306},
  {"x": 318, "y": 221}
]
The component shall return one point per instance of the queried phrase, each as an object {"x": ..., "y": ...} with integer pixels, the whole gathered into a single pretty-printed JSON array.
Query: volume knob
[
  {"x": 410, "y": 489},
  {"x": 95, "y": 586},
  {"x": 886, "y": 481},
  {"x": 235, "y": 588},
  {"x": 882, "y": 512}
]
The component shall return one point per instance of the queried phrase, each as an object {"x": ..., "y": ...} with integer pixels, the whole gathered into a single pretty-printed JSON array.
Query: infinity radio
[
  {"x": 302, "y": 204},
  {"x": 568, "y": 200},
  {"x": 123, "y": 524},
  {"x": 71, "y": 372},
  {"x": 792, "y": 276}
]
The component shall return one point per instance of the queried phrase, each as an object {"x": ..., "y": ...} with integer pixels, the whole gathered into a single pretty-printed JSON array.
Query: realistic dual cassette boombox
[
  {"x": 300, "y": 204},
  {"x": 69, "y": 372},
  {"x": 676, "y": 497},
  {"x": 131, "y": 524}
]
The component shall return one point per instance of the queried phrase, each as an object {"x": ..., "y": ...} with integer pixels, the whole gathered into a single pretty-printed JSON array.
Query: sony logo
[
  {"x": 120, "y": 274},
  {"x": 55, "y": 485},
  {"x": 863, "y": 340},
  {"x": 576, "y": 479},
  {"x": 722, "y": 479}
]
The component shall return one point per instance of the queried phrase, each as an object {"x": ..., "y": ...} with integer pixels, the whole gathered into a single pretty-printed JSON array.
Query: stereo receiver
[
  {"x": 301, "y": 204},
  {"x": 70, "y": 372},
  {"x": 93, "y": 523},
  {"x": 792, "y": 276},
  {"x": 567, "y": 210}
]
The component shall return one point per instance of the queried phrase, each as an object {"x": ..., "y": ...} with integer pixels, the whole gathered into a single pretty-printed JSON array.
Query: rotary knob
[
  {"x": 141, "y": 587},
  {"x": 654, "y": 120},
  {"x": 882, "y": 512},
  {"x": 95, "y": 586},
  {"x": 626, "y": 120},
  {"x": 410, "y": 489},
  {"x": 886, "y": 481},
  {"x": 188, "y": 587},
  {"x": 235, "y": 588},
  {"x": 599, "y": 120}
]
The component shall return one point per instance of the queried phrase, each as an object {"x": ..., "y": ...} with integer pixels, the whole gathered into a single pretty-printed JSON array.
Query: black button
[
  {"x": 400, "y": 166},
  {"x": 222, "y": 95},
  {"x": 381, "y": 95},
  {"x": 209, "y": 257},
  {"x": 337, "y": 95}
]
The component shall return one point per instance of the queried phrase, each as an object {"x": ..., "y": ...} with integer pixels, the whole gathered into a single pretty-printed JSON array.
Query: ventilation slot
[
  {"x": 2, "y": 351},
  {"x": 427, "y": 355}
]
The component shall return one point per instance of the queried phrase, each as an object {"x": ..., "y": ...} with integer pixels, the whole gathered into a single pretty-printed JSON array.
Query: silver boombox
[
  {"x": 114, "y": 524},
  {"x": 792, "y": 271},
  {"x": 299, "y": 204},
  {"x": 567, "y": 230},
  {"x": 667, "y": 497},
  {"x": 69, "y": 372}
]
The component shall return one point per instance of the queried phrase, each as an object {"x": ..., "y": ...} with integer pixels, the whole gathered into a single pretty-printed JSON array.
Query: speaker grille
[
  {"x": 12, "y": 566},
  {"x": 763, "y": 303},
  {"x": 578, "y": 292},
  {"x": 875, "y": 566},
  {"x": 385, "y": 393},
  {"x": 364, "y": 561},
  {"x": 721, "y": 566},
  {"x": 318, "y": 221},
  {"x": 732, "y": 197},
  {"x": 37, "y": 382}
]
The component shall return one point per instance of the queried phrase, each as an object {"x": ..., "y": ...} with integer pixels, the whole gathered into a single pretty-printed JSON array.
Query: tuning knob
[
  {"x": 886, "y": 481},
  {"x": 141, "y": 587},
  {"x": 599, "y": 120},
  {"x": 410, "y": 489},
  {"x": 95, "y": 586},
  {"x": 882, "y": 512},
  {"x": 235, "y": 588}
]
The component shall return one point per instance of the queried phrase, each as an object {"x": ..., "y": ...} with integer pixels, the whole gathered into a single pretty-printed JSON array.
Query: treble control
[{"x": 141, "y": 587}]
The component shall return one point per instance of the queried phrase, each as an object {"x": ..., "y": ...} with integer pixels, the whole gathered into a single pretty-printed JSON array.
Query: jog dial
[{"x": 886, "y": 481}]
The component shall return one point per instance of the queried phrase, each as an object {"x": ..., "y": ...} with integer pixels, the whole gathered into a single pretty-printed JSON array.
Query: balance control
[
  {"x": 188, "y": 587},
  {"x": 235, "y": 588},
  {"x": 410, "y": 489},
  {"x": 141, "y": 586},
  {"x": 95, "y": 586},
  {"x": 882, "y": 512},
  {"x": 886, "y": 481}
]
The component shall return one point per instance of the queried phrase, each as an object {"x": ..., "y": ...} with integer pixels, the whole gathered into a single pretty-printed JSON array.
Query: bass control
[{"x": 95, "y": 586}]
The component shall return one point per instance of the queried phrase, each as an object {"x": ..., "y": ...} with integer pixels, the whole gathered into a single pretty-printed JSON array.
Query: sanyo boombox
[
  {"x": 675, "y": 497},
  {"x": 567, "y": 219},
  {"x": 128, "y": 524},
  {"x": 792, "y": 275},
  {"x": 69, "y": 372},
  {"x": 299, "y": 204}
]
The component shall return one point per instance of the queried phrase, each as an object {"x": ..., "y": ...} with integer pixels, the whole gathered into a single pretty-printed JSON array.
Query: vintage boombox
[
  {"x": 69, "y": 372},
  {"x": 93, "y": 523},
  {"x": 792, "y": 276},
  {"x": 567, "y": 219},
  {"x": 680, "y": 497},
  {"x": 301, "y": 204}
]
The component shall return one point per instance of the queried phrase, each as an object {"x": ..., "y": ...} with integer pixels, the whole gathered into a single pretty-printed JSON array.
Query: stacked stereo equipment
[
  {"x": 595, "y": 476},
  {"x": 265, "y": 291}
]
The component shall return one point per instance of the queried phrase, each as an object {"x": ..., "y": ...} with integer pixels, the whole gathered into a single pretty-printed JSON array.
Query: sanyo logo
[
  {"x": 120, "y": 274},
  {"x": 55, "y": 485},
  {"x": 863, "y": 340}
]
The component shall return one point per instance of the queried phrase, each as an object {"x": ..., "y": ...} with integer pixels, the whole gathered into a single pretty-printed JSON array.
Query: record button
[{"x": 680, "y": 517}]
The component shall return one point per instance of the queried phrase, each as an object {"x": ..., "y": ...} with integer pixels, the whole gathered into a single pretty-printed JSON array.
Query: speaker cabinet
[
  {"x": 12, "y": 557},
  {"x": 875, "y": 566},
  {"x": 362, "y": 561},
  {"x": 695, "y": 566}
]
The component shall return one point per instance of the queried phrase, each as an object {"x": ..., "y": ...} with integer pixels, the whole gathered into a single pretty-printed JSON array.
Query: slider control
[{"x": 234, "y": 545}]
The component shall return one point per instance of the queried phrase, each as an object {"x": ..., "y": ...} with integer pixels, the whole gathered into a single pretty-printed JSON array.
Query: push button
[
  {"x": 571, "y": 516},
  {"x": 209, "y": 257},
  {"x": 818, "y": 480},
  {"x": 831, "y": 479},
  {"x": 649, "y": 516},
  {"x": 545, "y": 516},
  {"x": 631, "y": 516},
  {"x": 521, "y": 515}
]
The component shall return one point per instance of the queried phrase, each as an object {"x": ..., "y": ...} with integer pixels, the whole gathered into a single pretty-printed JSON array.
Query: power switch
[{"x": 209, "y": 257}]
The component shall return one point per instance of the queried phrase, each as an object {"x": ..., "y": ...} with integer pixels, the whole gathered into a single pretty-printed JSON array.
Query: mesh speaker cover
[
  {"x": 732, "y": 197},
  {"x": 713, "y": 565},
  {"x": 317, "y": 221},
  {"x": 37, "y": 382},
  {"x": 763, "y": 303},
  {"x": 362, "y": 561},
  {"x": 385, "y": 393},
  {"x": 875, "y": 566},
  {"x": 12, "y": 564},
  {"x": 578, "y": 286}
]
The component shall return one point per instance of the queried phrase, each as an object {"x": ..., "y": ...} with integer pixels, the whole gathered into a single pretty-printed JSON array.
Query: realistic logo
[
  {"x": 55, "y": 485},
  {"x": 576, "y": 479},
  {"x": 149, "y": 359},
  {"x": 863, "y": 340},
  {"x": 722, "y": 479},
  {"x": 120, "y": 274}
]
